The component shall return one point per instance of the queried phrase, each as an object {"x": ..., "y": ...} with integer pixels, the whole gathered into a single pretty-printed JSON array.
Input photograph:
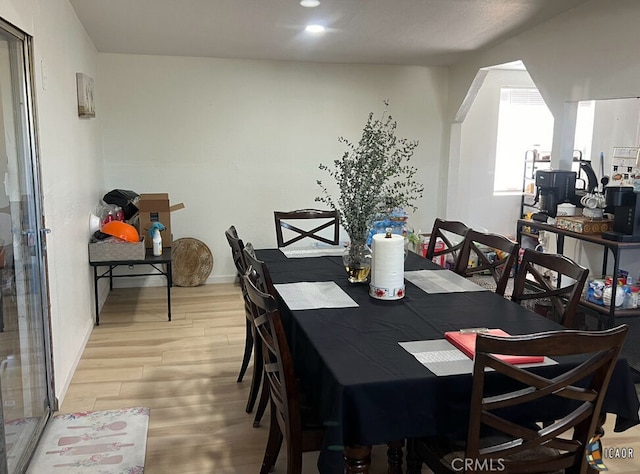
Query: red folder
[{"x": 466, "y": 342}]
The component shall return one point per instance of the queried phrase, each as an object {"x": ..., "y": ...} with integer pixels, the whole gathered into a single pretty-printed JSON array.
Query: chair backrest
[
  {"x": 278, "y": 364},
  {"x": 550, "y": 284},
  {"x": 259, "y": 270},
  {"x": 494, "y": 254},
  {"x": 237, "y": 247},
  {"x": 324, "y": 219},
  {"x": 562, "y": 443},
  {"x": 446, "y": 231}
]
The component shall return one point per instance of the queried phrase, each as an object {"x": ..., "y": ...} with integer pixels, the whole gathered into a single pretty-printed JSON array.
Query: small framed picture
[{"x": 86, "y": 105}]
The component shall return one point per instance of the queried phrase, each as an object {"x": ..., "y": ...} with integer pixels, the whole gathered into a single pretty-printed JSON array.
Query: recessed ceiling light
[
  {"x": 310, "y": 3},
  {"x": 314, "y": 29}
]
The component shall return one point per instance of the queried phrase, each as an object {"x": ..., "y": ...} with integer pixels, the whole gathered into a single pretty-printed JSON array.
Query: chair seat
[
  {"x": 529, "y": 455},
  {"x": 487, "y": 281},
  {"x": 449, "y": 452}
]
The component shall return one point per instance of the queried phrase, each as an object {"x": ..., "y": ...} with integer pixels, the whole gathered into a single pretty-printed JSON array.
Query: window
[
  {"x": 524, "y": 123},
  {"x": 584, "y": 127}
]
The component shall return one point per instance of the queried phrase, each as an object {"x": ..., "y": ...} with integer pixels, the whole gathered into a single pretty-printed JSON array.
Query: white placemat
[
  {"x": 314, "y": 295},
  {"x": 443, "y": 358},
  {"x": 441, "y": 281},
  {"x": 304, "y": 252},
  {"x": 439, "y": 356}
]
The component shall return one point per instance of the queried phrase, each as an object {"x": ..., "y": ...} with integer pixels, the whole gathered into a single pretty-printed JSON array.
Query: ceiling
[{"x": 416, "y": 32}]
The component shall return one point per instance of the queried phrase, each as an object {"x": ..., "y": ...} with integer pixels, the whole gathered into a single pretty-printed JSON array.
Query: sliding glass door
[{"x": 25, "y": 365}]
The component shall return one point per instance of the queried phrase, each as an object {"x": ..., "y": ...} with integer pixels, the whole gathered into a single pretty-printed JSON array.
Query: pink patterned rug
[{"x": 95, "y": 442}]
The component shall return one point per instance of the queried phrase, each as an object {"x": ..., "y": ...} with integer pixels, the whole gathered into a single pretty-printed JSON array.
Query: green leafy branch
[{"x": 373, "y": 176}]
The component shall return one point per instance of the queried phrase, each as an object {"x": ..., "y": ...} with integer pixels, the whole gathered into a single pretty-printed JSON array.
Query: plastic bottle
[
  {"x": 626, "y": 302},
  {"x": 635, "y": 293},
  {"x": 157, "y": 243}
]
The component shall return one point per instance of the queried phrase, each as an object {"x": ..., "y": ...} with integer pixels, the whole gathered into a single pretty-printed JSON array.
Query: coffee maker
[
  {"x": 624, "y": 203},
  {"x": 554, "y": 187}
]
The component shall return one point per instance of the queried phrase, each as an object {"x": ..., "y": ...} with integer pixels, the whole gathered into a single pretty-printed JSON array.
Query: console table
[
  {"x": 156, "y": 263},
  {"x": 608, "y": 313}
]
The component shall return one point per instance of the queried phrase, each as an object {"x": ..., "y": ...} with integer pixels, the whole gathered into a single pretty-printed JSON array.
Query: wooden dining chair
[
  {"x": 451, "y": 233},
  {"x": 550, "y": 284},
  {"x": 289, "y": 422},
  {"x": 507, "y": 443},
  {"x": 237, "y": 247},
  {"x": 262, "y": 279},
  {"x": 319, "y": 221},
  {"x": 494, "y": 254}
]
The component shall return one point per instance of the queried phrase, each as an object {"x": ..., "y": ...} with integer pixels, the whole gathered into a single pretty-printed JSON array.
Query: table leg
[
  {"x": 600, "y": 424},
  {"x": 169, "y": 283},
  {"x": 394, "y": 457},
  {"x": 357, "y": 459},
  {"x": 414, "y": 464},
  {"x": 95, "y": 294},
  {"x": 560, "y": 244},
  {"x": 612, "y": 306}
]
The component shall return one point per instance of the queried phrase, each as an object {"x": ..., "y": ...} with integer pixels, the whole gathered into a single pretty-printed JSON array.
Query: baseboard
[
  {"x": 142, "y": 282},
  {"x": 61, "y": 391}
]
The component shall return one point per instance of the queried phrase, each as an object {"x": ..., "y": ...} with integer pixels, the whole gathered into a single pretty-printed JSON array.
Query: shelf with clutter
[{"x": 540, "y": 161}]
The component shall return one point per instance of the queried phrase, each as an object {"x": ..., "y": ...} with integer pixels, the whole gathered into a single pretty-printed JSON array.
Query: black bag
[{"x": 125, "y": 199}]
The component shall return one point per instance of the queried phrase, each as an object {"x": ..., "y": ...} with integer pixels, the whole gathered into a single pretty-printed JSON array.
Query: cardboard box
[
  {"x": 155, "y": 208},
  {"x": 116, "y": 250},
  {"x": 584, "y": 225}
]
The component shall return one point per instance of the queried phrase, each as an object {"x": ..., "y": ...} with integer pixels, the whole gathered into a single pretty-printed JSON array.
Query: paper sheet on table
[
  {"x": 441, "y": 281},
  {"x": 314, "y": 295},
  {"x": 443, "y": 358},
  {"x": 321, "y": 251}
]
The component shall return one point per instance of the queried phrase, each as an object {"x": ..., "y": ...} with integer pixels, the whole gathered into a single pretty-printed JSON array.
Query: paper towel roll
[{"x": 387, "y": 267}]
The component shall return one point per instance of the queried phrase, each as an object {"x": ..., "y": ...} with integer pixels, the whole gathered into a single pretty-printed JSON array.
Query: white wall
[
  {"x": 479, "y": 207},
  {"x": 616, "y": 124},
  {"x": 235, "y": 140},
  {"x": 71, "y": 168}
]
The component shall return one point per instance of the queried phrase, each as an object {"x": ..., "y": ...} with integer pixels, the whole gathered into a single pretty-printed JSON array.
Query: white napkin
[
  {"x": 303, "y": 252},
  {"x": 314, "y": 295}
]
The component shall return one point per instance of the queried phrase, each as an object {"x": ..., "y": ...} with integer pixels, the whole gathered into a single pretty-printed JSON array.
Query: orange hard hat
[{"x": 122, "y": 230}]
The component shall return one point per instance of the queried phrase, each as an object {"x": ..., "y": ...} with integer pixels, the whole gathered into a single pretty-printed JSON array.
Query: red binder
[{"x": 466, "y": 342}]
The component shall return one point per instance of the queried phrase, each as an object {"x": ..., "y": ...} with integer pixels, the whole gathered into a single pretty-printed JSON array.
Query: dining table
[{"x": 380, "y": 371}]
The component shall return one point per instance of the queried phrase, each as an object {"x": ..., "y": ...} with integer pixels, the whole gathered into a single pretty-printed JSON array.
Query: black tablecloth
[{"x": 372, "y": 390}]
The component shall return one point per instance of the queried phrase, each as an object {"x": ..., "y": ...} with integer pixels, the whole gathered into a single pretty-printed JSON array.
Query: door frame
[{"x": 27, "y": 121}]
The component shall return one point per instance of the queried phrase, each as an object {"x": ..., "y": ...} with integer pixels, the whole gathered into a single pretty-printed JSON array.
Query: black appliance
[
  {"x": 624, "y": 202},
  {"x": 554, "y": 187}
]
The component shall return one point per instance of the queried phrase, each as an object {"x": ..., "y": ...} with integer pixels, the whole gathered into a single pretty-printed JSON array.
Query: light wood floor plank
[
  {"x": 117, "y": 362},
  {"x": 116, "y": 374}
]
